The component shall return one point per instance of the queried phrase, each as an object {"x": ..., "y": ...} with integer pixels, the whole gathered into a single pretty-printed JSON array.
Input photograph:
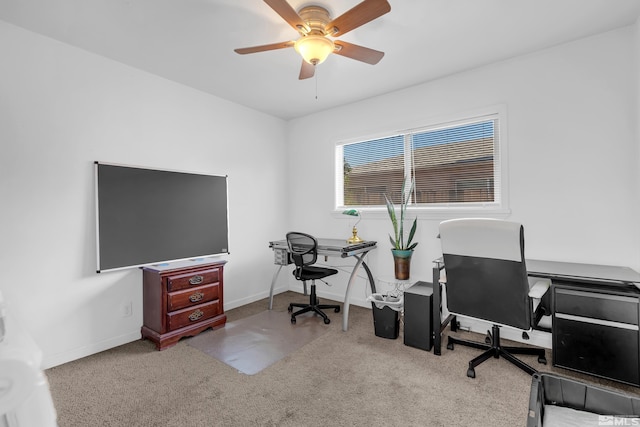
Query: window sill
[{"x": 430, "y": 213}]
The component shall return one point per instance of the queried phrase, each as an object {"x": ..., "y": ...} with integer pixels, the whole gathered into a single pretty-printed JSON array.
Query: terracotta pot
[{"x": 402, "y": 263}]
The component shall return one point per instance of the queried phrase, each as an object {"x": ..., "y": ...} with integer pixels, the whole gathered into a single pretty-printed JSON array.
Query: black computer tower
[{"x": 418, "y": 303}]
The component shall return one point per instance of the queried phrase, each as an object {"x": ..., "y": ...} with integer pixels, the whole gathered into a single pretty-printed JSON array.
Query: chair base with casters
[
  {"x": 493, "y": 348},
  {"x": 314, "y": 306}
]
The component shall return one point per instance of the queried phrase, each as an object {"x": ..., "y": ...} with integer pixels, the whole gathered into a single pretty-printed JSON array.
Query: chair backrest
[
  {"x": 486, "y": 272},
  {"x": 303, "y": 249}
]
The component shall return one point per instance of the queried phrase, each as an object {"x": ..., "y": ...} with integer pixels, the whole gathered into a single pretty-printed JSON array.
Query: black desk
[
  {"x": 583, "y": 273},
  {"x": 334, "y": 248},
  {"x": 596, "y": 318},
  {"x": 596, "y": 311}
]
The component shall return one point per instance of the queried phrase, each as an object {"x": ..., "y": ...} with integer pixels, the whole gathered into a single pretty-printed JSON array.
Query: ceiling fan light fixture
[{"x": 314, "y": 49}]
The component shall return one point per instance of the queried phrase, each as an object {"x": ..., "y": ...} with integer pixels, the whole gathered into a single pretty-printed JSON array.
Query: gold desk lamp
[{"x": 354, "y": 238}]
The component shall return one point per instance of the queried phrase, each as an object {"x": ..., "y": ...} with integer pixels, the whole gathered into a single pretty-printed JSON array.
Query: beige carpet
[
  {"x": 341, "y": 378},
  {"x": 255, "y": 342}
]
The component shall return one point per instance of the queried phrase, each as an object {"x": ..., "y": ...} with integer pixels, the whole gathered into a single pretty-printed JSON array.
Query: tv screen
[{"x": 150, "y": 216}]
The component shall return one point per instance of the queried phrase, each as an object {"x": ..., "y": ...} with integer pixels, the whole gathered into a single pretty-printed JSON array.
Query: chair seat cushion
[{"x": 311, "y": 272}]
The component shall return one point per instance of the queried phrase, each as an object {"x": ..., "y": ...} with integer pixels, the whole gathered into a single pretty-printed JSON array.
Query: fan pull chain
[{"x": 315, "y": 76}]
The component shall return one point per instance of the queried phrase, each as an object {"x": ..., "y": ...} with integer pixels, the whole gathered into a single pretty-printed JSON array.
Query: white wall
[
  {"x": 572, "y": 121},
  {"x": 573, "y": 153},
  {"x": 61, "y": 109}
]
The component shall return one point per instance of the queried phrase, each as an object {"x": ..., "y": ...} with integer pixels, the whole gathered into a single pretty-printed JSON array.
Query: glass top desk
[{"x": 334, "y": 248}]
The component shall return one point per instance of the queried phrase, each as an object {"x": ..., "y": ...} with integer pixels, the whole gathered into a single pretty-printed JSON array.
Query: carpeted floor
[{"x": 340, "y": 378}]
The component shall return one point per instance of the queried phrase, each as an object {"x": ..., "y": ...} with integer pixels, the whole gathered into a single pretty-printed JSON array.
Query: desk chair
[
  {"x": 486, "y": 278},
  {"x": 304, "y": 252}
]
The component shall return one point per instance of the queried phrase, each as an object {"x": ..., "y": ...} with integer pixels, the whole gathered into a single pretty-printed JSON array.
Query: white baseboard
[
  {"x": 229, "y": 305},
  {"x": 334, "y": 296},
  {"x": 536, "y": 338},
  {"x": 78, "y": 353}
]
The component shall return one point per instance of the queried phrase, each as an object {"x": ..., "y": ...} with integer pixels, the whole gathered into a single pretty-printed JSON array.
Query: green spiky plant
[{"x": 398, "y": 242}]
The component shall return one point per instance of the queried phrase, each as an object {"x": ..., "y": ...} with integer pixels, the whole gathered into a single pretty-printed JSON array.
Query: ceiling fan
[{"x": 316, "y": 27}]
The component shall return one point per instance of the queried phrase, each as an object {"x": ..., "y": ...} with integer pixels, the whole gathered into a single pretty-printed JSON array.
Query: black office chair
[
  {"x": 486, "y": 278},
  {"x": 304, "y": 252}
]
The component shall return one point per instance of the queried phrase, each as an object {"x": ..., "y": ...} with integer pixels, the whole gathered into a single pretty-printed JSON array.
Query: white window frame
[{"x": 497, "y": 209}]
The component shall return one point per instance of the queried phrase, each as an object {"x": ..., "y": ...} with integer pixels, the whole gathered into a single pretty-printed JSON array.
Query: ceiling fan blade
[
  {"x": 307, "y": 70},
  {"x": 265, "y": 47},
  {"x": 287, "y": 13},
  {"x": 358, "y": 53},
  {"x": 359, "y": 15}
]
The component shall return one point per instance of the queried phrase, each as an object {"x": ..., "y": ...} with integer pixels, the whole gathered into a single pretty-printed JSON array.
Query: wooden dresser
[{"x": 181, "y": 301}]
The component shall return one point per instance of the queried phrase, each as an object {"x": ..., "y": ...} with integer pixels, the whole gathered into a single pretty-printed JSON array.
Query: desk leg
[
  {"x": 345, "y": 307},
  {"x": 438, "y": 324},
  {"x": 435, "y": 310},
  {"x": 273, "y": 283},
  {"x": 437, "y": 341}
]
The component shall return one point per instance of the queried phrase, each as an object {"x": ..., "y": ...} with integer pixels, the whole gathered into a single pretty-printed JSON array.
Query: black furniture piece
[
  {"x": 386, "y": 320},
  {"x": 556, "y": 400},
  {"x": 418, "y": 304},
  {"x": 596, "y": 330},
  {"x": 304, "y": 252},
  {"x": 486, "y": 278},
  {"x": 596, "y": 318}
]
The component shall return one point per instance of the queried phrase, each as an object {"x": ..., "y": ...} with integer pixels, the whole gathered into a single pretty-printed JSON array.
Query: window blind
[
  {"x": 456, "y": 164},
  {"x": 452, "y": 164}
]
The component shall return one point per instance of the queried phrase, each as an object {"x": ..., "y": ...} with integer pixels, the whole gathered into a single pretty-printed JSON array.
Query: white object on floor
[
  {"x": 25, "y": 399},
  {"x": 560, "y": 416}
]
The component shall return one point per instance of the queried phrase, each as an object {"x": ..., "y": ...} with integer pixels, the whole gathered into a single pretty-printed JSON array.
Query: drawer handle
[
  {"x": 196, "y": 280},
  {"x": 196, "y": 297},
  {"x": 196, "y": 315}
]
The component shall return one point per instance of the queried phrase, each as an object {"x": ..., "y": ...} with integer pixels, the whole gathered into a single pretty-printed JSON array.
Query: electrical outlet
[{"x": 127, "y": 309}]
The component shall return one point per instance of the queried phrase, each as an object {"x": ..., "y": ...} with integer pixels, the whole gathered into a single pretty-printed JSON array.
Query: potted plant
[{"x": 402, "y": 249}]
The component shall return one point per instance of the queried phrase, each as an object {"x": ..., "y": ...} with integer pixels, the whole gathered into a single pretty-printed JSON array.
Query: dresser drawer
[
  {"x": 192, "y": 279},
  {"x": 614, "y": 308},
  {"x": 194, "y": 296},
  {"x": 191, "y": 315}
]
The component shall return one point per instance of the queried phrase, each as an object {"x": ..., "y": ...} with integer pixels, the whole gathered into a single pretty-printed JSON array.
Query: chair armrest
[{"x": 539, "y": 288}]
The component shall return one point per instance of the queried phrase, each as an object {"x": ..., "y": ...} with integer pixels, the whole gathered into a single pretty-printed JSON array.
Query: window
[{"x": 454, "y": 165}]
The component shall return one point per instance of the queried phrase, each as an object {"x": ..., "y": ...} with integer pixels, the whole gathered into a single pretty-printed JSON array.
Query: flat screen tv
[{"x": 151, "y": 216}]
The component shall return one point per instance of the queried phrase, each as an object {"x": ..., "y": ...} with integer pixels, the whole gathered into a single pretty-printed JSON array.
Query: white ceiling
[{"x": 192, "y": 42}]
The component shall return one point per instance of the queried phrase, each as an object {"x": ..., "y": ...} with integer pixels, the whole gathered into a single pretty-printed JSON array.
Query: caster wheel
[
  {"x": 327, "y": 321},
  {"x": 450, "y": 346},
  {"x": 290, "y": 309},
  {"x": 293, "y": 320},
  {"x": 471, "y": 373},
  {"x": 542, "y": 360},
  {"x": 337, "y": 310}
]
